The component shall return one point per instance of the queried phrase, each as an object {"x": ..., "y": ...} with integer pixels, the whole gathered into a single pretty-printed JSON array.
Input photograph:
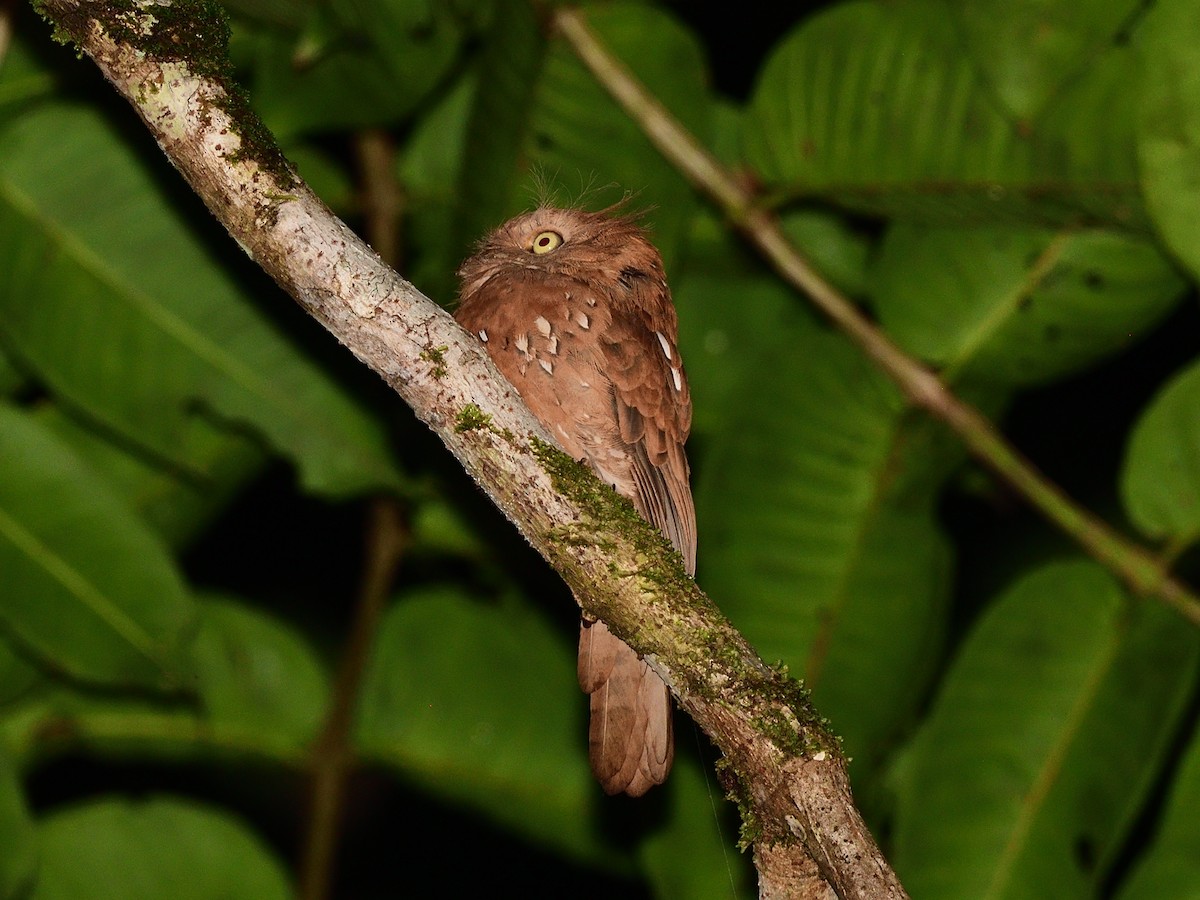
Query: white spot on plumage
[
  {"x": 584, "y": 384},
  {"x": 664, "y": 343},
  {"x": 678, "y": 379},
  {"x": 583, "y": 320},
  {"x": 523, "y": 343},
  {"x": 591, "y": 301},
  {"x": 547, "y": 365},
  {"x": 483, "y": 335},
  {"x": 542, "y": 325},
  {"x": 554, "y": 344}
]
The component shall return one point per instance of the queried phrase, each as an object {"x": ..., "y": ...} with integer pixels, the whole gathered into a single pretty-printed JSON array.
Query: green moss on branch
[
  {"x": 193, "y": 33},
  {"x": 470, "y": 418}
]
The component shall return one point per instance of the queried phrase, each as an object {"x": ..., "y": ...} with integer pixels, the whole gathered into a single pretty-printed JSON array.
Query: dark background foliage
[{"x": 194, "y": 478}]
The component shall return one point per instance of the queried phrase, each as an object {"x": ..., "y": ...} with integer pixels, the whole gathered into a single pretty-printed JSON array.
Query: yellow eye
[{"x": 546, "y": 241}]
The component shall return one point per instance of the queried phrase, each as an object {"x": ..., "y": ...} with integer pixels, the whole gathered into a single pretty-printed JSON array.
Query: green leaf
[
  {"x": 429, "y": 168},
  {"x": 1027, "y": 50},
  {"x": 1169, "y": 124},
  {"x": 431, "y": 162},
  {"x": 23, "y": 76},
  {"x": 86, "y": 584},
  {"x": 17, "y": 676},
  {"x": 1160, "y": 478},
  {"x": 18, "y": 860},
  {"x": 257, "y": 672},
  {"x": 1047, "y": 735},
  {"x": 113, "y": 849},
  {"x": 178, "y": 505},
  {"x": 416, "y": 39},
  {"x": 879, "y": 107},
  {"x": 117, "y": 304},
  {"x": 11, "y": 379},
  {"x": 441, "y": 528},
  {"x": 279, "y": 12},
  {"x": 722, "y": 342},
  {"x": 692, "y": 856},
  {"x": 1087, "y": 146},
  {"x": 58, "y": 720},
  {"x": 1171, "y": 866},
  {"x": 1019, "y": 306},
  {"x": 728, "y": 121},
  {"x": 819, "y": 539},
  {"x": 357, "y": 63},
  {"x": 510, "y": 65},
  {"x": 325, "y": 174},
  {"x": 481, "y": 705},
  {"x": 834, "y": 248}
]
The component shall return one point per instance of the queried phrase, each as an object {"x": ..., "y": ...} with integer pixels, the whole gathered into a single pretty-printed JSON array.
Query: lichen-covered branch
[{"x": 168, "y": 60}]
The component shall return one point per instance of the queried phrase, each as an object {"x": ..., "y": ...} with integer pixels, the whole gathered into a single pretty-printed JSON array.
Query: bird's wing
[{"x": 653, "y": 409}]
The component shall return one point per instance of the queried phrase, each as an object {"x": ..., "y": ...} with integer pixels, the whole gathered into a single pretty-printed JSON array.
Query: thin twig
[
  {"x": 332, "y": 758},
  {"x": 1137, "y": 567},
  {"x": 382, "y": 200},
  {"x": 8, "y": 10}
]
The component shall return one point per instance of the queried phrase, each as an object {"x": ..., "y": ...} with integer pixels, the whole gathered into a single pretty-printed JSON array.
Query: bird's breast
[{"x": 546, "y": 341}]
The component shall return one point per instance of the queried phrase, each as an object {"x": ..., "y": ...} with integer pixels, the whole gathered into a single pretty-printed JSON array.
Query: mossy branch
[{"x": 789, "y": 771}]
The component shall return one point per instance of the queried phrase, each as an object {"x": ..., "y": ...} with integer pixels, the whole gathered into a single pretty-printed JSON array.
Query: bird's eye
[{"x": 546, "y": 241}]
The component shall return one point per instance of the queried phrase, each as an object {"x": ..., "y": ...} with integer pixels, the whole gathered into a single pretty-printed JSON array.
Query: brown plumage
[{"x": 574, "y": 309}]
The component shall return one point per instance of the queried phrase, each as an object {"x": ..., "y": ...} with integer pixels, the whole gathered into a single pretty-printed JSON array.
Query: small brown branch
[
  {"x": 8, "y": 10},
  {"x": 167, "y": 61},
  {"x": 1133, "y": 564},
  {"x": 381, "y": 197},
  {"x": 332, "y": 756}
]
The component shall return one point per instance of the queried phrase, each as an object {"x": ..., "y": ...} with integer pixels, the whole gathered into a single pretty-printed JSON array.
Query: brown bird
[{"x": 574, "y": 309}]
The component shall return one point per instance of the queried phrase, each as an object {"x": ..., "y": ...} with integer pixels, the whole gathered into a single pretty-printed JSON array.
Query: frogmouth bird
[{"x": 574, "y": 309}]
